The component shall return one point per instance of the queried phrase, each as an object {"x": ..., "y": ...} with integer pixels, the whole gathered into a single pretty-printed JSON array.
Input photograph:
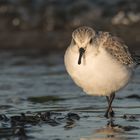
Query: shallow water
[{"x": 36, "y": 81}]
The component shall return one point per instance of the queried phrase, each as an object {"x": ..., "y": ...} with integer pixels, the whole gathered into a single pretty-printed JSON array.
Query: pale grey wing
[{"x": 116, "y": 47}]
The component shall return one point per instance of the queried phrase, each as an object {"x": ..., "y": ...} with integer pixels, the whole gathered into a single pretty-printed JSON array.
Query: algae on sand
[{"x": 42, "y": 99}]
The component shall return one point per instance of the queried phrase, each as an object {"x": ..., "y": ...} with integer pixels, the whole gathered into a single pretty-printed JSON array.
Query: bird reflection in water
[{"x": 111, "y": 131}]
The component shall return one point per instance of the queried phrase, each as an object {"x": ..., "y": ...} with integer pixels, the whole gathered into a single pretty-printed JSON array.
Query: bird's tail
[{"x": 136, "y": 59}]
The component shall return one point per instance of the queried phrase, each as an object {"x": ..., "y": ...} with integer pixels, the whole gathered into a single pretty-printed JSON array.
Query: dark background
[{"x": 48, "y": 23}]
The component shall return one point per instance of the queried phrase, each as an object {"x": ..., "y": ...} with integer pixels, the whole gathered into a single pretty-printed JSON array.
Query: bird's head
[{"x": 82, "y": 38}]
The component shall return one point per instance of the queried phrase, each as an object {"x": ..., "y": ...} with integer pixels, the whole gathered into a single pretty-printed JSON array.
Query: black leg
[
  {"x": 111, "y": 112},
  {"x": 109, "y": 109}
]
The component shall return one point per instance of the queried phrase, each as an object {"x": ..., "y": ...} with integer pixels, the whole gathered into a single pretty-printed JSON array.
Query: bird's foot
[{"x": 109, "y": 114}]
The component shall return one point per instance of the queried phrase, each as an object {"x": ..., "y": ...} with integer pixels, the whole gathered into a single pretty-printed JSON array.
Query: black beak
[{"x": 81, "y": 52}]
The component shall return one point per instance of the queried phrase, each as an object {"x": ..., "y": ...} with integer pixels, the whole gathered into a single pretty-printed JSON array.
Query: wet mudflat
[{"x": 39, "y": 101}]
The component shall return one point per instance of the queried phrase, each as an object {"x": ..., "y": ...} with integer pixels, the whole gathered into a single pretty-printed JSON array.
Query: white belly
[{"x": 97, "y": 75}]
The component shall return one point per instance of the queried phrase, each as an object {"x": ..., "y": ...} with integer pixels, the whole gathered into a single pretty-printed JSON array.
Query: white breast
[{"x": 98, "y": 74}]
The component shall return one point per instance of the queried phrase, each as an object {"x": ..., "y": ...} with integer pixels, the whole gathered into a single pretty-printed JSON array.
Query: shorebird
[{"x": 100, "y": 63}]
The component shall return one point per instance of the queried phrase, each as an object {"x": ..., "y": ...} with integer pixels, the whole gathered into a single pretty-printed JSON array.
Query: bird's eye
[{"x": 90, "y": 40}]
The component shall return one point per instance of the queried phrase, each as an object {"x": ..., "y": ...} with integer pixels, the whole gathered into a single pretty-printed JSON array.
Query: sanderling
[{"x": 99, "y": 63}]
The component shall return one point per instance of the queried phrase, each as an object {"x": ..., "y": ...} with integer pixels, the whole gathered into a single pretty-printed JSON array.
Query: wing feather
[{"x": 116, "y": 47}]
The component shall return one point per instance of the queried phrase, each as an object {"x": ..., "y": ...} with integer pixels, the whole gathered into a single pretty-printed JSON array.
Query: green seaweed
[{"x": 42, "y": 99}]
